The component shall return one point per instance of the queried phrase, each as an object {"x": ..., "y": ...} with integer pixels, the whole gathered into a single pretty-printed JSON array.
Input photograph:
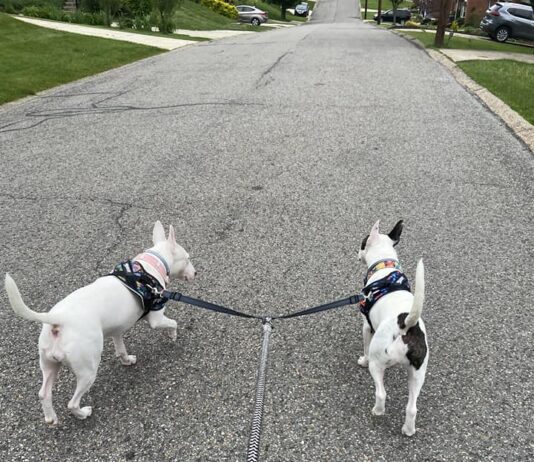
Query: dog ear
[
  {"x": 375, "y": 231},
  {"x": 158, "y": 233},
  {"x": 396, "y": 232},
  {"x": 172, "y": 236}
]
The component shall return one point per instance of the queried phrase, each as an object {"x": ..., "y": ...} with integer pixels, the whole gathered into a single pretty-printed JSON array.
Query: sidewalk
[
  {"x": 469, "y": 55},
  {"x": 149, "y": 40}
]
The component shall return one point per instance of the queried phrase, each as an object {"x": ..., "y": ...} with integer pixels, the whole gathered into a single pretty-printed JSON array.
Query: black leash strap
[
  {"x": 177, "y": 296},
  {"x": 327, "y": 306}
]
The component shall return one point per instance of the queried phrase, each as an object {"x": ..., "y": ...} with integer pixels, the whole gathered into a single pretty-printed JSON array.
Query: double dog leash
[
  {"x": 253, "y": 449},
  {"x": 153, "y": 298}
]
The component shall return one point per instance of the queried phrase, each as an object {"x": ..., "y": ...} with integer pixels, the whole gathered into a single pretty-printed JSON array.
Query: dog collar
[
  {"x": 380, "y": 265},
  {"x": 156, "y": 262}
]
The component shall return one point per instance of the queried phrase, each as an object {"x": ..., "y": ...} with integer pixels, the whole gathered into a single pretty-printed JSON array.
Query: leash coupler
[{"x": 253, "y": 450}]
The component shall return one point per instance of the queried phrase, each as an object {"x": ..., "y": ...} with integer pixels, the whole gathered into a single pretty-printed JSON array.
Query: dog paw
[
  {"x": 85, "y": 412},
  {"x": 128, "y": 360},
  {"x": 408, "y": 431},
  {"x": 363, "y": 361},
  {"x": 52, "y": 420},
  {"x": 378, "y": 411},
  {"x": 172, "y": 333}
]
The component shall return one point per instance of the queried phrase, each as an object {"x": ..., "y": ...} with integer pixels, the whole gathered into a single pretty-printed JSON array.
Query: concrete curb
[{"x": 521, "y": 128}]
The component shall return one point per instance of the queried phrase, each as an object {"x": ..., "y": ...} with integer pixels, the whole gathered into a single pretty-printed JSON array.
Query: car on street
[
  {"x": 302, "y": 9},
  {"x": 402, "y": 15},
  {"x": 251, "y": 14},
  {"x": 508, "y": 20}
]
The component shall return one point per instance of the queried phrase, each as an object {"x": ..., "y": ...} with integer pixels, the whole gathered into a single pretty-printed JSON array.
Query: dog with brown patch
[{"x": 393, "y": 331}]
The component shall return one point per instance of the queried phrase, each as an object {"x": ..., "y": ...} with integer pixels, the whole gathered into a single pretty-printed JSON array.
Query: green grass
[
  {"x": 498, "y": 76},
  {"x": 33, "y": 58},
  {"x": 386, "y": 5},
  {"x": 373, "y": 5},
  {"x": 462, "y": 43}
]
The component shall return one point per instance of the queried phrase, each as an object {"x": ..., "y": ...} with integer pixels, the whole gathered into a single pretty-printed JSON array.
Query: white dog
[
  {"x": 393, "y": 331},
  {"x": 74, "y": 330}
]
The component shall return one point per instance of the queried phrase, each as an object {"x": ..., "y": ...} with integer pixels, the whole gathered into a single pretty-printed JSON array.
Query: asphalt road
[{"x": 273, "y": 155}]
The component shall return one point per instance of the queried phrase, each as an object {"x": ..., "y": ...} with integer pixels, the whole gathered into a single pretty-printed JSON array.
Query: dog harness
[
  {"x": 146, "y": 286},
  {"x": 394, "y": 281}
]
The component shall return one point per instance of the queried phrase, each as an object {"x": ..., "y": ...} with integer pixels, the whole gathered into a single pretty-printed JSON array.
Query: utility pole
[
  {"x": 444, "y": 9},
  {"x": 365, "y": 14}
]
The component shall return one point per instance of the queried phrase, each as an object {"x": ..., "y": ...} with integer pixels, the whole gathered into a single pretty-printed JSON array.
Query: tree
[
  {"x": 444, "y": 9},
  {"x": 395, "y": 5}
]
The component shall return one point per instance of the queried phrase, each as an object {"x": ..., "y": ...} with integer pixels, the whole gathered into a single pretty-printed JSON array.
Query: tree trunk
[{"x": 445, "y": 8}]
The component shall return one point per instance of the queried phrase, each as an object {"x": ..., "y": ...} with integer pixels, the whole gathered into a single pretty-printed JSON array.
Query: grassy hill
[{"x": 33, "y": 58}]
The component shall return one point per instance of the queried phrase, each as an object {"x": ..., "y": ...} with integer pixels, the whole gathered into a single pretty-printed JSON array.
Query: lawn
[
  {"x": 373, "y": 5},
  {"x": 193, "y": 16},
  {"x": 462, "y": 43},
  {"x": 33, "y": 59},
  {"x": 386, "y": 5},
  {"x": 496, "y": 76}
]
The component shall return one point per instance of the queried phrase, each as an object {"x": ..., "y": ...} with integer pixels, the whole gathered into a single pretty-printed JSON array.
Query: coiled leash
[{"x": 253, "y": 449}]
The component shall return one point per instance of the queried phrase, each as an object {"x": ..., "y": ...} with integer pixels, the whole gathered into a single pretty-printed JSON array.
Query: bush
[
  {"x": 16, "y": 6},
  {"x": 142, "y": 23},
  {"x": 45, "y": 12},
  {"x": 166, "y": 8},
  {"x": 136, "y": 8},
  {"x": 221, "y": 7},
  {"x": 90, "y": 6},
  {"x": 91, "y": 19},
  {"x": 411, "y": 24}
]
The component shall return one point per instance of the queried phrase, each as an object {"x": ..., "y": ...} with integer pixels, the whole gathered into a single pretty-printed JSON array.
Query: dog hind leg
[
  {"x": 121, "y": 353},
  {"x": 377, "y": 372},
  {"x": 416, "y": 378},
  {"x": 84, "y": 364},
  {"x": 50, "y": 370}
]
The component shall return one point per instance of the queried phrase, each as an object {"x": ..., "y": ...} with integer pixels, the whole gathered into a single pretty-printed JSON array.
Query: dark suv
[
  {"x": 401, "y": 16},
  {"x": 509, "y": 20}
]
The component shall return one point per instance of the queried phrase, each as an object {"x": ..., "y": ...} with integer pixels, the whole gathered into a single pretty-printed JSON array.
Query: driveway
[{"x": 273, "y": 154}]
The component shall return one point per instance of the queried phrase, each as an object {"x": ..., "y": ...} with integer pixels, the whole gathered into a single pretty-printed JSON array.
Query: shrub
[
  {"x": 125, "y": 22},
  {"x": 92, "y": 19},
  {"x": 142, "y": 23},
  {"x": 166, "y": 9},
  {"x": 45, "y": 12},
  {"x": 90, "y": 6},
  {"x": 110, "y": 8},
  {"x": 221, "y": 7},
  {"x": 16, "y": 6},
  {"x": 411, "y": 24},
  {"x": 136, "y": 8}
]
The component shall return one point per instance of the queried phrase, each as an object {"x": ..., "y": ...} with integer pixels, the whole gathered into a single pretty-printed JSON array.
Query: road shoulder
[{"x": 517, "y": 124}]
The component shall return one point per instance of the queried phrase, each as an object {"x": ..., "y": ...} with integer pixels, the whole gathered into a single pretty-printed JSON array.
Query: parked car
[
  {"x": 508, "y": 20},
  {"x": 251, "y": 14},
  {"x": 302, "y": 9},
  {"x": 403, "y": 15}
]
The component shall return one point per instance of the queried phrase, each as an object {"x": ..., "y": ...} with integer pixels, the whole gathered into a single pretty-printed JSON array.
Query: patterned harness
[
  {"x": 394, "y": 281},
  {"x": 132, "y": 274}
]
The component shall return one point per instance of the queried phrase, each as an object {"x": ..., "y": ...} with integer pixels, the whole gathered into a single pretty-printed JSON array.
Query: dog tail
[
  {"x": 418, "y": 296},
  {"x": 19, "y": 307}
]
